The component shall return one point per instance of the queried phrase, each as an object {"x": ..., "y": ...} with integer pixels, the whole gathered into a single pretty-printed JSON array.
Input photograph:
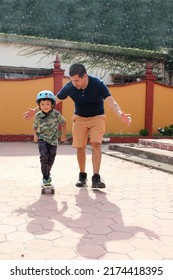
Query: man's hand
[
  {"x": 126, "y": 118},
  {"x": 29, "y": 114}
]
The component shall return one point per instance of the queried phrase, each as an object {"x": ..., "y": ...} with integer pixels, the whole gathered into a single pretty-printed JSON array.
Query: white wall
[
  {"x": 15, "y": 55},
  {"x": 26, "y": 56}
]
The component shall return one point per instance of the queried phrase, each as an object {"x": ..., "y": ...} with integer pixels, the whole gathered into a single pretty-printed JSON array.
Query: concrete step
[
  {"x": 163, "y": 144},
  {"x": 146, "y": 155},
  {"x": 144, "y": 152}
]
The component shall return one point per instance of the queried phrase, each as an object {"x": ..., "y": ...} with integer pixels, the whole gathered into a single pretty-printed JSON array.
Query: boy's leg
[
  {"x": 44, "y": 155},
  {"x": 52, "y": 149}
]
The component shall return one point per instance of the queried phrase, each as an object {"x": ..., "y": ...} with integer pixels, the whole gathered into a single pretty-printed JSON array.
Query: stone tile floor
[{"x": 132, "y": 219}]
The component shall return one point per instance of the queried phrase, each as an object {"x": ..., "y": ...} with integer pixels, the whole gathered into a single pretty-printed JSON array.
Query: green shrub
[
  {"x": 143, "y": 132},
  {"x": 167, "y": 130}
]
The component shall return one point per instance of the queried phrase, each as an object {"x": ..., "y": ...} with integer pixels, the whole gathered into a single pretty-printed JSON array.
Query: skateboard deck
[{"x": 47, "y": 189}]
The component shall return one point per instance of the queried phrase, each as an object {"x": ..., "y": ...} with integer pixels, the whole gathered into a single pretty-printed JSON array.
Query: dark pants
[{"x": 47, "y": 157}]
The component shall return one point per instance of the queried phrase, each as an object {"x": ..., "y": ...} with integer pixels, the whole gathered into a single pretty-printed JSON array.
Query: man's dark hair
[{"x": 77, "y": 69}]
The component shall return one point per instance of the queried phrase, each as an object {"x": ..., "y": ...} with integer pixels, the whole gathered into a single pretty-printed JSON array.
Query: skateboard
[{"x": 47, "y": 189}]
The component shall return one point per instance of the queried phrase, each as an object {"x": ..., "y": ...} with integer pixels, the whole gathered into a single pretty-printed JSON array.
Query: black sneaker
[
  {"x": 97, "y": 183},
  {"x": 82, "y": 180}
]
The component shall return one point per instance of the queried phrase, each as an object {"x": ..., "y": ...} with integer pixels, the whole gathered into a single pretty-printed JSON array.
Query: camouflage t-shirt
[{"x": 46, "y": 126}]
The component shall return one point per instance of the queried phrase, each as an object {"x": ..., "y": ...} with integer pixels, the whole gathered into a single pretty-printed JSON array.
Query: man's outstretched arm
[{"x": 126, "y": 118}]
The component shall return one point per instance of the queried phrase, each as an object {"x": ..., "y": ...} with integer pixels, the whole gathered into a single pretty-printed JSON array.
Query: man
[{"x": 88, "y": 94}]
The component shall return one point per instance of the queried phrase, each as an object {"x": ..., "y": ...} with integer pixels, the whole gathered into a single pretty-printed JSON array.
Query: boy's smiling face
[{"x": 46, "y": 106}]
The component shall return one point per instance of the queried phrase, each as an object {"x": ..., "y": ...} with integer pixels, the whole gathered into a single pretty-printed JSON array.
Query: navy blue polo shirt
[{"x": 88, "y": 102}]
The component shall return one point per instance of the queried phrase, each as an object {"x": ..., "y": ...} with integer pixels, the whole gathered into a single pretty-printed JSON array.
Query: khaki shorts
[{"x": 93, "y": 127}]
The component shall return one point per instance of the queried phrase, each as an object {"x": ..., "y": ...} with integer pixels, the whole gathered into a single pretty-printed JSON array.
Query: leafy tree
[{"x": 145, "y": 24}]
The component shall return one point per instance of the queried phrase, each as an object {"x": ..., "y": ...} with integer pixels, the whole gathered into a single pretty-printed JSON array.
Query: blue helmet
[{"x": 45, "y": 94}]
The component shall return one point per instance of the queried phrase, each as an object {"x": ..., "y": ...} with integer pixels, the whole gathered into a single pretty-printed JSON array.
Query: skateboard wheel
[
  {"x": 43, "y": 191},
  {"x": 52, "y": 191}
]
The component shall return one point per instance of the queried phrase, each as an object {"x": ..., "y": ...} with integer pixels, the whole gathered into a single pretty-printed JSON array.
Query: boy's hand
[
  {"x": 35, "y": 138},
  {"x": 29, "y": 114},
  {"x": 63, "y": 138}
]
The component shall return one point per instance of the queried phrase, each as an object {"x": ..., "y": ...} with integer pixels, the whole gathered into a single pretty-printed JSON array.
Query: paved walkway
[{"x": 131, "y": 219}]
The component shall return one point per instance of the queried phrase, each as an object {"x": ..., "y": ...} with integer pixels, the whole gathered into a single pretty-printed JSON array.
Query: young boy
[{"x": 45, "y": 126}]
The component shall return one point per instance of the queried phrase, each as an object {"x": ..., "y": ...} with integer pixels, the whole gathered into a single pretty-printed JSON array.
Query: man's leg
[
  {"x": 96, "y": 157},
  {"x": 96, "y": 161},
  {"x": 81, "y": 157},
  {"x": 80, "y": 136},
  {"x": 97, "y": 131}
]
